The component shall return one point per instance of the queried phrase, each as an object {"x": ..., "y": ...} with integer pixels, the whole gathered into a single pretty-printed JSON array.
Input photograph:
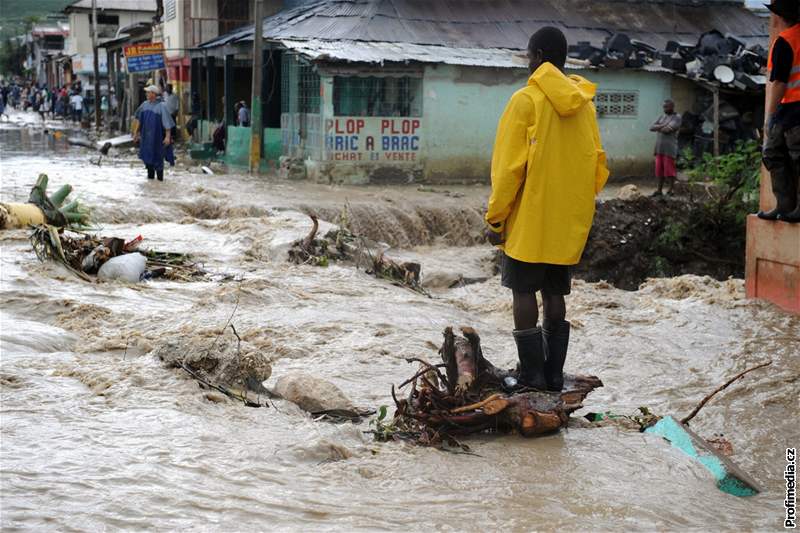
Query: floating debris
[
  {"x": 44, "y": 209},
  {"x": 468, "y": 398},
  {"x": 84, "y": 255},
  {"x": 341, "y": 245}
]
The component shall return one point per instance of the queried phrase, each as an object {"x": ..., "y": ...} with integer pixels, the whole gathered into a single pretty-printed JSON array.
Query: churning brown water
[{"x": 97, "y": 434}]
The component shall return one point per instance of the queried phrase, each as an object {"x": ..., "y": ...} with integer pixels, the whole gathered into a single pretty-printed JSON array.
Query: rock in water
[
  {"x": 441, "y": 280},
  {"x": 629, "y": 192},
  {"x": 221, "y": 361},
  {"x": 248, "y": 371},
  {"x": 312, "y": 394}
]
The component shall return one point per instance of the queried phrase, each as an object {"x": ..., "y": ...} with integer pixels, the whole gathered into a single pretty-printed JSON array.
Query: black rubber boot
[
  {"x": 160, "y": 174},
  {"x": 530, "y": 350},
  {"x": 792, "y": 217},
  {"x": 151, "y": 172},
  {"x": 771, "y": 215},
  {"x": 556, "y": 341}
]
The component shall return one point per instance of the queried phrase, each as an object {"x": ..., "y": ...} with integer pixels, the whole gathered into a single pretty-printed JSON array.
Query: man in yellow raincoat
[{"x": 547, "y": 167}]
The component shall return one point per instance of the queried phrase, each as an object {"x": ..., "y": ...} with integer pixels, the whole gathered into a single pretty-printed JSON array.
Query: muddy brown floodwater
[{"x": 97, "y": 434}]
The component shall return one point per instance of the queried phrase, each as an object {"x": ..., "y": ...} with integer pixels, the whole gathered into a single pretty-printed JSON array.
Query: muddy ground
[{"x": 632, "y": 240}]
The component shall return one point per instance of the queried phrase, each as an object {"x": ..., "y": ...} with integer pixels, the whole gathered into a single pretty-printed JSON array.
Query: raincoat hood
[{"x": 567, "y": 94}]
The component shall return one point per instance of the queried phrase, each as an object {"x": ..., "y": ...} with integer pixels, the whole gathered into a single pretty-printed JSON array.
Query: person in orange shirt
[{"x": 782, "y": 118}]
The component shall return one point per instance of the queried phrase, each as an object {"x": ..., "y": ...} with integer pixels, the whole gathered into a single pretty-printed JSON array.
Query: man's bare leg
[
  {"x": 526, "y": 310},
  {"x": 554, "y": 309}
]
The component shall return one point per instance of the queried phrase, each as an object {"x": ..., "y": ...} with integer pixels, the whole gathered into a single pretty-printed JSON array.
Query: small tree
[
  {"x": 12, "y": 57},
  {"x": 734, "y": 179},
  {"x": 13, "y": 51},
  {"x": 713, "y": 227}
]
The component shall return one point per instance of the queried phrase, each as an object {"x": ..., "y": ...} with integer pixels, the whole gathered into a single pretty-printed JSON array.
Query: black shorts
[{"x": 550, "y": 279}]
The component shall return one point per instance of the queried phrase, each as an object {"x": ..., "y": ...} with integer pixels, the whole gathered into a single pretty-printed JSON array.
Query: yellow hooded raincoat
[{"x": 548, "y": 165}]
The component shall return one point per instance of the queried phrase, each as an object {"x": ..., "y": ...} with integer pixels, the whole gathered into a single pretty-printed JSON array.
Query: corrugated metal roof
[
  {"x": 380, "y": 52},
  {"x": 509, "y": 23},
  {"x": 499, "y": 24}
]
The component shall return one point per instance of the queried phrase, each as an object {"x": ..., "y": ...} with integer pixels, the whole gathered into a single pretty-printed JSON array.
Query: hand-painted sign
[
  {"x": 145, "y": 57},
  {"x": 84, "y": 63},
  {"x": 379, "y": 139}
]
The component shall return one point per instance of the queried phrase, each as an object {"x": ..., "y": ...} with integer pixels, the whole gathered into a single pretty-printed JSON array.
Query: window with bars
[
  {"x": 617, "y": 104},
  {"x": 300, "y": 90},
  {"x": 377, "y": 97}
]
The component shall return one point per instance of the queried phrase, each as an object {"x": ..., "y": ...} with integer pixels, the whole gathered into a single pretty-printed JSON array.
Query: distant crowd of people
[{"x": 66, "y": 102}]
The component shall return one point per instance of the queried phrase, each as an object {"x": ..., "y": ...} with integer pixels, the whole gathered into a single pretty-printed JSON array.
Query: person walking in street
[
  {"x": 197, "y": 112},
  {"x": 37, "y": 104},
  {"x": 76, "y": 104},
  {"x": 44, "y": 106},
  {"x": 53, "y": 101},
  {"x": 154, "y": 133},
  {"x": 173, "y": 104},
  {"x": 62, "y": 103},
  {"x": 15, "y": 95},
  {"x": 243, "y": 115},
  {"x": 781, "y": 153},
  {"x": 666, "y": 152},
  {"x": 547, "y": 167}
]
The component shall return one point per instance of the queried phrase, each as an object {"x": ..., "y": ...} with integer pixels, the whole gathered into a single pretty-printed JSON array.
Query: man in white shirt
[{"x": 76, "y": 102}]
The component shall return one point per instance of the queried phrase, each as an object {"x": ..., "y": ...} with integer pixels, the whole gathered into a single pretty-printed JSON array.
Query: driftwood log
[{"x": 468, "y": 397}]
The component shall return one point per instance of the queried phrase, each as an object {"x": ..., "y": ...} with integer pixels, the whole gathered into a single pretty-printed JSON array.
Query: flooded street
[{"x": 98, "y": 434}]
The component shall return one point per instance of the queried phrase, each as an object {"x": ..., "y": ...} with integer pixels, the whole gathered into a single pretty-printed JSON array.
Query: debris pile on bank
[
  {"x": 92, "y": 257},
  {"x": 468, "y": 398},
  {"x": 237, "y": 369},
  {"x": 639, "y": 238},
  {"x": 341, "y": 245},
  {"x": 226, "y": 364},
  {"x": 715, "y": 57}
]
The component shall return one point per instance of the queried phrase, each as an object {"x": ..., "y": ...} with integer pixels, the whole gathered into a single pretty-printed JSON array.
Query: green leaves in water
[
  {"x": 644, "y": 419},
  {"x": 381, "y": 430},
  {"x": 73, "y": 215}
]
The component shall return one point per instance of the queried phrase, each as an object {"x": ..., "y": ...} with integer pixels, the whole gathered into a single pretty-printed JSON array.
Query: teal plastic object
[{"x": 730, "y": 478}]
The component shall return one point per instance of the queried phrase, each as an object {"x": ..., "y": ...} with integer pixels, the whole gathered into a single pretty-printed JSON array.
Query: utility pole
[
  {"x": 96, "y": 68},
  {"x": 256, "y": 127}
]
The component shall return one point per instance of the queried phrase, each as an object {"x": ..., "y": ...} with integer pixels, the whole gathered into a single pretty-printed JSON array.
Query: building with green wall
[{"x": 357, "y": 92}]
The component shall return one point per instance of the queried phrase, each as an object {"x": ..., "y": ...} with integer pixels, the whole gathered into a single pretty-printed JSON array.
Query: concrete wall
[
  {"x": 80, "y": 35},
  {"x": 628, "y": 141},
  {"x": 237, "y": 147},
  {"x": 174, "y": 31},
  {"x": 80, "y": 28},
  {"x": 204, "y": 9},
  {"x": 463, "y": 105}
]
